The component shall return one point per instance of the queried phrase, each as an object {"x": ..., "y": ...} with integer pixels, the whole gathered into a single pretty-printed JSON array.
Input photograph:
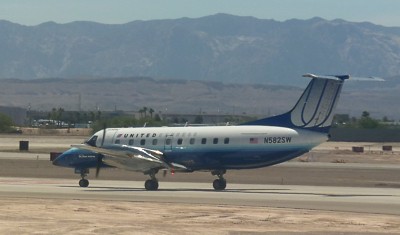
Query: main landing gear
[
  {"x": 220, "y": 183},
  {"x": 151, "y": 184},
  {"x": 83, "y": 172}
]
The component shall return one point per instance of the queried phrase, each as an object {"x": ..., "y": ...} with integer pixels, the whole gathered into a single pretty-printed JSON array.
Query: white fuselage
[{"x": 227, "y": 147}]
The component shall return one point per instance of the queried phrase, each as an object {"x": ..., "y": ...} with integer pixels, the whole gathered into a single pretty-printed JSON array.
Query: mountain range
[
  {"x": 220, "y": 47},
  {"x": 216, "y": 64}
]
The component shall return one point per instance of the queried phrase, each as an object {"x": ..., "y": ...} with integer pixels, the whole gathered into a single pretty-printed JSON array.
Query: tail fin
[{"x": 314, "y": 110}]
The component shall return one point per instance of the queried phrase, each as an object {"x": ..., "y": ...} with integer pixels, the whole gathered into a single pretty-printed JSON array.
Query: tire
[
  {"x": 83, "y": 183},
  {"x": 219, "y": 184},
  {"x": 151, "y": 185}
]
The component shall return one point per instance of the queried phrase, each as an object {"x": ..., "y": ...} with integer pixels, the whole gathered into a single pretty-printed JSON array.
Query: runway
[
  {"x": 341, "y": 199},
  {"x": 331, "y": 190}
]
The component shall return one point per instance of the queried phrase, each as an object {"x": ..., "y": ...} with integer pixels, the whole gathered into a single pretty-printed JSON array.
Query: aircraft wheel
[
  {"x": 151, "y": 185},
  {"x": 219, "y": 184},
  {"x": 84, "y": 183}
]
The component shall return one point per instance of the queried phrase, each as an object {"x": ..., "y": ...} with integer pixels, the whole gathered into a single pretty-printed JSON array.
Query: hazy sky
[{"x": 33, "y": 12}]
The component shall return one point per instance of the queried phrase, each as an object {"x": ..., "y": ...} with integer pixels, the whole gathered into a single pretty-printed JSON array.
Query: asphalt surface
[
  {"x": 350, "y": 193},
  {"x": 347, "y": 199},
  {"x": 291, "y": 173}
]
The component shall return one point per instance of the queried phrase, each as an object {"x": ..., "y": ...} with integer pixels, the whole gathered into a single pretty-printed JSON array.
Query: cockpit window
[{"x": 92, "y": 141}]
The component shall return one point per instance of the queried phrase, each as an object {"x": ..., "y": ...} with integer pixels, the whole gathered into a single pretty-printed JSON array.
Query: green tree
[
  {"x": 365, "y": 114},
  {"x": 151, "y": 111},
  {"x": 385, "y": 119},
  {"x": 367, "y": 122},
  {"x": 59, "y": 115},
  {"x": 145, "y": 111},
  {"x": 198, "y": 119},
  {"x": 141, "y": 111},
  {"x": 92, "y": 116},
  {"x": 157, "y": 118},
  {"x": 6, "y": 123}
]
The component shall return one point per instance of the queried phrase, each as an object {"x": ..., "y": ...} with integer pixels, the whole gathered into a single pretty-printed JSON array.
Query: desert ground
[{"x": 342, "y": 167}]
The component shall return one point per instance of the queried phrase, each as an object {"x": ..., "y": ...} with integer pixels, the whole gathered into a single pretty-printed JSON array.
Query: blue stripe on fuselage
[
  {"x": 209, "y": 160},
  {"x": 199, "y": 159}
]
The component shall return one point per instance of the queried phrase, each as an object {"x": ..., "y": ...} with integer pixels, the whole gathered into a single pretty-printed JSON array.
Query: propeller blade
[
  {"x": 100, "y": 158},
  {"x": 104, "y": 135},
  {"x": 98, "y": 165}
]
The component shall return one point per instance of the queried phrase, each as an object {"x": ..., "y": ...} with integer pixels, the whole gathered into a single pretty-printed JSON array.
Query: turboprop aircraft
[{"x": 254, "y": 144}]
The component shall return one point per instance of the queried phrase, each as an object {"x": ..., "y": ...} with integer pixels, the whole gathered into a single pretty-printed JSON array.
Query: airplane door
[
  {"x": 168, "y": 142},
  {"x": 110, "y": 136}
]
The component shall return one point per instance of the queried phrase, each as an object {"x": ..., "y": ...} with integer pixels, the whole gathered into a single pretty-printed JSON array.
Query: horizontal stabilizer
[
  {"x": 344, "y": 77},
  {"x": 368, "y": 79}
]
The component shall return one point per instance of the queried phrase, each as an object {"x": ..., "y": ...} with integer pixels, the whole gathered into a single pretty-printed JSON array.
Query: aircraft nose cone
[
  {"x": 56, "y": 161},
  {"x": 60, "y": 160}
]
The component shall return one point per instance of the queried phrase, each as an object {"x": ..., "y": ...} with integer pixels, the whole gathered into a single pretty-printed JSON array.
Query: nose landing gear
[
  {"x": 84, "y": 183},
  {"x": 83, "y": 172}
]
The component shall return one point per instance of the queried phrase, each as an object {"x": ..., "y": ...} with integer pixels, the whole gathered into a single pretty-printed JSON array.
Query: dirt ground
[
  {"x": 38, "y": 216},
  {"x": 61, "y": 216}
]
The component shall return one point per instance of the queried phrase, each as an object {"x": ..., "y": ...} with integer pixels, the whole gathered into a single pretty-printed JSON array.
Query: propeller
[
  {"x": 104, "y": 135},
  {"x": 100, "y": 158},
  {"x": 98, "y": 165}
]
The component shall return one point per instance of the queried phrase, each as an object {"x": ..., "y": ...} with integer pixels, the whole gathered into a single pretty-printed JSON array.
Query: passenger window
[
  {"x": 168, "y": 142},
  {"x": 155, "y": 141},
  {"x": 130, "y": 142},
  {"x": 192, "y": 140},
  {"x": 179, "y": 142},
  {"x": 117, "y": 141},
  {"x": 203, "y": 141},
  {"x": 215, "y": 141},
  {"x": 226, "y": 141},
  {"x": 142, "y": 142}
]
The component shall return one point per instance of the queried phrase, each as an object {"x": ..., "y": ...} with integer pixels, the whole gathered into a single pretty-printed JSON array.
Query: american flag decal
[{"x": 253, "y": 140}]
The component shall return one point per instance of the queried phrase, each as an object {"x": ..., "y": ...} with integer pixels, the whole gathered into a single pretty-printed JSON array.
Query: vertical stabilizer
[{"x": 315, "y": 108}]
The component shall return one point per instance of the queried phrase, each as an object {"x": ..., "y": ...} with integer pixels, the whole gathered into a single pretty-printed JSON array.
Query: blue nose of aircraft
[
  {"x": 56, "y": 161},
  {"x": 77, "y": 158},
  {"x": 62, "y": 159}
]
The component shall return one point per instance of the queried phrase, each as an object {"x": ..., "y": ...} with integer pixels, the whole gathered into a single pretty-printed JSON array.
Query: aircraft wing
[{"x": 132, "y": 158}]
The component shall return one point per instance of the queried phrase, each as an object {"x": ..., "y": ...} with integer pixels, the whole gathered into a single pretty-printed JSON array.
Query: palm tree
[
  {"x": 141, "y": 111},
  {"x": 145, "y": 111},
  {"x": 151, "y": 111}
]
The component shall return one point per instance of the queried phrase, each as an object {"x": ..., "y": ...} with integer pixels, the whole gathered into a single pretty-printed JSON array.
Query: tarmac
[{"x": 330, "y": 190}]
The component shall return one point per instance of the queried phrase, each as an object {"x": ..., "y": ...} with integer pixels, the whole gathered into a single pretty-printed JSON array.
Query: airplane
[{"x": 260, "y": 143}]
